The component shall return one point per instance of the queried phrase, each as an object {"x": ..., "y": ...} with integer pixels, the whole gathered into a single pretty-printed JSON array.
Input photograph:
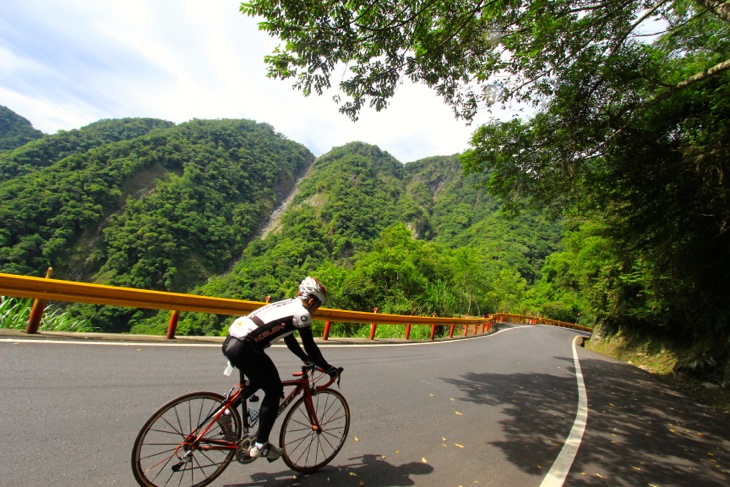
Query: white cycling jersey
[{"x": 271, "y": 322}]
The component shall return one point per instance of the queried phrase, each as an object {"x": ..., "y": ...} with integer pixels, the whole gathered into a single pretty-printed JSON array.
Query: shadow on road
[
  {"x": 639, "y": 431},
  {"x": 643, "y": 432},
  {"x": 369, "y": 470},
  {"x": 539, "y": 410}
]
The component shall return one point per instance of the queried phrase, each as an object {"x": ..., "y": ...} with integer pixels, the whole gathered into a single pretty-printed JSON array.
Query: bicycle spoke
[
  {"x": 191, "y": 459},
  {"x": 308, "y": 448},
  {"x": 167, "y": 463}
]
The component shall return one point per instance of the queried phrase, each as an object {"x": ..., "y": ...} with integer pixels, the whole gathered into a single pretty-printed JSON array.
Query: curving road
[{"x": 487, "y": 411}]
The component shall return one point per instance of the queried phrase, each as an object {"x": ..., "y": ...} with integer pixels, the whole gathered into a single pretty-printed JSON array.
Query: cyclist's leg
[
  {"x": 262, "y": 373},
  {"x": 235, "y": 351}
]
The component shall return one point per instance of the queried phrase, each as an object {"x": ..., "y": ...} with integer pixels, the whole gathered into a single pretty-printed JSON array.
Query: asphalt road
[{"x": 487, "y": 411}]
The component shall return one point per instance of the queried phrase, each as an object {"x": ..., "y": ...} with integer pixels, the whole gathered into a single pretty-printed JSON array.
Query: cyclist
[{"x": 249, "y": 335}]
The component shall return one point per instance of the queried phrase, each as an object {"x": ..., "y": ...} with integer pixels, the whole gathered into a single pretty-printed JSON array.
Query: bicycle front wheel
[
  {"x": 166, "y": 453},
  {"x": 308, "y": 448}
]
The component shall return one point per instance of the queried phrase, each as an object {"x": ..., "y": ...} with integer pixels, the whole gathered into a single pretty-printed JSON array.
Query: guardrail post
[
  {"x": 466, "y": 329},
  {"x": 451, "y": 330},
  {"x": 326, "y": 334},
  {"x": 408, "y": 331},
  {"x": 373, "y": 326},
  {"x": 36, "y": 312},
  {"x": 172, "y": 327}
]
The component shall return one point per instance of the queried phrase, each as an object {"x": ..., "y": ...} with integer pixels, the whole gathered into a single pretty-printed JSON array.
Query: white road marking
[{"x": 559, "y": 471}]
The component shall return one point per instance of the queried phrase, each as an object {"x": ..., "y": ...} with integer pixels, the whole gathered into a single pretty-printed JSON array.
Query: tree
[
  {"x": 641, "y": 147},
  {"x": 475, "y": 53}
]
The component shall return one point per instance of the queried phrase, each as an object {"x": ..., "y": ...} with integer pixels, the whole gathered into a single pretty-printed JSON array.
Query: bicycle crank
[{"x": 242, "y": 451}]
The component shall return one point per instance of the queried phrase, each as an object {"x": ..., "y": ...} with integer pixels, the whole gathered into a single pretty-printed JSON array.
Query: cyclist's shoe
[{"x": 268, "y": 451}]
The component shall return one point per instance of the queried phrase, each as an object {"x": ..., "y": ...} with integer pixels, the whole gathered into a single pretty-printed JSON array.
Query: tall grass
[{"x": 14, "y": 313}]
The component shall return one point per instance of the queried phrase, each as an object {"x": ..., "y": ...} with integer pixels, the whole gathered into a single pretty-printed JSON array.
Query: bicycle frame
[{"x": 305, "y": 383}]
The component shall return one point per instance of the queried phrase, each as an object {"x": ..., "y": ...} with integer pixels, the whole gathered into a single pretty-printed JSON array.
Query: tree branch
[
  {"x": 701, "y": 76},
  {"x": 718, "y": 7}
]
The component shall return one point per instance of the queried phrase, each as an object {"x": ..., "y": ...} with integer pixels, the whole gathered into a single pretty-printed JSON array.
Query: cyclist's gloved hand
[{"x": 332, "y": 371}]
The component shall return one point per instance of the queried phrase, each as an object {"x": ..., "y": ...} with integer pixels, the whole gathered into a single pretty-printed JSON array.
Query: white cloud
[{"x": 67, "y": 64}]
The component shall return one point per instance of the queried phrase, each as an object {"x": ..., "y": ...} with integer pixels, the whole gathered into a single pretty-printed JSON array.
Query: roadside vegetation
[
  {"x": 674, "y": 363},
  {"x": 14, "y": 314}
]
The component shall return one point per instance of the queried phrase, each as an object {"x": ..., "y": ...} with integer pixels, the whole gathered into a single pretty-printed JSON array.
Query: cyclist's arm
[
  {"x": 312, "y": 349},
  {"x": 293, "y": 345}
]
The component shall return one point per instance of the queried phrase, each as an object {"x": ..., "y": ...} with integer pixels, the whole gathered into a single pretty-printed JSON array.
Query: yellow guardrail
[
  {"x": 79, "y": 292},
  {"x": 45, "y": 289},
  {"x": 535, "y": 320}
]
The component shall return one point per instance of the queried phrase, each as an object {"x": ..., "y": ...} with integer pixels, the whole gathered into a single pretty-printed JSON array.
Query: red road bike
[{"x": 191, "y": 440}]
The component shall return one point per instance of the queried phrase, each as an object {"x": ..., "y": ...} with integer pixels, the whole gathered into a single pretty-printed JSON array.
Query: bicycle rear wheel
[
  {"x": 164, "y": 453},
  {"x": 306, "y": 448}
]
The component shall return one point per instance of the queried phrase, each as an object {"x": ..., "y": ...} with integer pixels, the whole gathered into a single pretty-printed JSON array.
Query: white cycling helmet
[{"x": 312, "y": 288}]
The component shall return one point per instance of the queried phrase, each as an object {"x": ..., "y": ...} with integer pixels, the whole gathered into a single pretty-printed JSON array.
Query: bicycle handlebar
[
  {"x": 333, "y": 378},
  {"x": 312, "y": 367}
]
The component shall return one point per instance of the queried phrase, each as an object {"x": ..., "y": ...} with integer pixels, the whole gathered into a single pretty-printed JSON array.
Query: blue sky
[{"x": 65, "y": 64}]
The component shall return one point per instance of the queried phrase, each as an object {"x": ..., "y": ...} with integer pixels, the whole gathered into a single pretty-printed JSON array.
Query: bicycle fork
[
  {"x": 313, "y": 419},
  {"x": 308, "y": 393}
]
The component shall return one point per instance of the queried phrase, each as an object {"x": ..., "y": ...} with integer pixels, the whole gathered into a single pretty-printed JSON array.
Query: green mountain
[
  {"x": 15, "y": 130},
  {"x": 230, "y": 208},
  {"x": 162, "y": 210},
  {"x": 46, "y": 151},
  {"x": 381, "y": 234}
]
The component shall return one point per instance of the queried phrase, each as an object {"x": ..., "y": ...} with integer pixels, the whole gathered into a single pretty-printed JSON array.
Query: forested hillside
[
  {"x": 46, "y": 151},
  {"x": 402, "y": 238},
  {"x": 150, "y": 204},
  {"x": 162, "y": 210},
  {"x": 147, "y": 204},
  {"x": 15, "y": 130}
]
